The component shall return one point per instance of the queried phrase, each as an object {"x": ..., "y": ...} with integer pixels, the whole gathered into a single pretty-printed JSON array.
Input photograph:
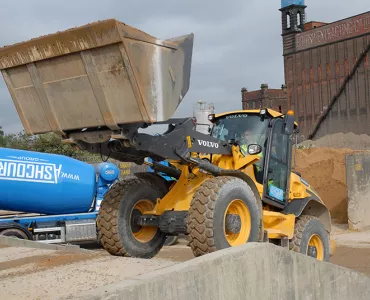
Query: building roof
[{"x": 256, "y": 95}]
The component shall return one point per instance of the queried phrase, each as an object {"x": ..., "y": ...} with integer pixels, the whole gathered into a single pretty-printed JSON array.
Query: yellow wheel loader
[{"x": 100, "y": 86}]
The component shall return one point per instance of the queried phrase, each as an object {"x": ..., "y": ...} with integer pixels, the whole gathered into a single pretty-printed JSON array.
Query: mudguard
[
  {"x": 156, "y": 179},
  {"x": 311, "y": 206}
]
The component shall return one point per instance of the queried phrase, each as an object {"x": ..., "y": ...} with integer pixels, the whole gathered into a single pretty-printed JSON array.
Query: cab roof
[{"x": 271, "y": 112}]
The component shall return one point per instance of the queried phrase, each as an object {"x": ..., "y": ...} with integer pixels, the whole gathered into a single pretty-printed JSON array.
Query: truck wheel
[
  {"x": 117, "y": 232},
  {"x": 15, "y": 233},
  {"x": 223, "y": 213},
  {"x": 310, "y": 238}
]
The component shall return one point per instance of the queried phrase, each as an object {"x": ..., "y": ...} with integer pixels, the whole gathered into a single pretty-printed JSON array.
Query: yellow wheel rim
[
  {"x": 147, "y": 233},
  {"x": 239, "y": 208},
  {"x": 315, "y": 241}
]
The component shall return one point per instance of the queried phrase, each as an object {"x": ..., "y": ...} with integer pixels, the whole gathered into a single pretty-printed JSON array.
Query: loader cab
[
  {"x": 242, "y": 128},
  {"x": 272, "y": 132}
]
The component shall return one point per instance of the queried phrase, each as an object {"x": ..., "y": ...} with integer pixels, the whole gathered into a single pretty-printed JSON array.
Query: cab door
[{"x": 277, "y": 165}]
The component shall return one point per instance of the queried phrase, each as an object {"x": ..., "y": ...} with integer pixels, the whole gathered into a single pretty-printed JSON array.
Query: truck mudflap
[{"x": 97, "y": 77}]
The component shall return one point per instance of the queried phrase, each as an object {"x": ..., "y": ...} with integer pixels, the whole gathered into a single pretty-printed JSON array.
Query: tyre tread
[
  {"x": 299, "y": 229},
  {"x": 201, "y": 214},
  {"x": 107, "y": 226}
]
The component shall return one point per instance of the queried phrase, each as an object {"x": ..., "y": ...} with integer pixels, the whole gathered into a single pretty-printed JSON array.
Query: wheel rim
[
  {"x": 147, "y": 233},
  {"x": 240, "y": 211},
  {"x": 315, "y": 247}
]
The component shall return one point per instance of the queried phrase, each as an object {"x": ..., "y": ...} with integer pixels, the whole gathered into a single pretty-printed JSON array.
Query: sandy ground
[
  {"x": 42, "y": 274},
  {"x": 48, "y": 274},
  {"x": 353, "y": 249},
  {"x": 357, "y": 259}
]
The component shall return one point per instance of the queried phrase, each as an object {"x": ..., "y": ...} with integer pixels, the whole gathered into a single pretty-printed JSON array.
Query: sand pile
[
  {"x": 341, "y": 140},
  {"x": 324, "y": 169}
]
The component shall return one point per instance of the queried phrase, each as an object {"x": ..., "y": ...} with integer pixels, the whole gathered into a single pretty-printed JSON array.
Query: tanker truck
[
  {"x": 53, "y": 198},
  {"x": 58, "y": 197}
]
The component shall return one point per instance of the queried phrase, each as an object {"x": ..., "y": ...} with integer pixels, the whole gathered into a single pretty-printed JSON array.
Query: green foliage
[
  {"x": 46, "y": 143},
  {"x": 15, "y": 141}
]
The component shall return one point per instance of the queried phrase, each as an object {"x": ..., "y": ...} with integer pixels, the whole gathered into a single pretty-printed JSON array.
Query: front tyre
[
  {"x": 310, "y": 238},
  {"x": 223, "y": 213},
  {"x": 118, "y": 233}
]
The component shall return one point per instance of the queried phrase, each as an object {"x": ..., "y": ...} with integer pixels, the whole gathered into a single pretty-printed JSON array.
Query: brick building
[
  {"x": 327, "y": 71},
  {"x": 265, "y": 98}
]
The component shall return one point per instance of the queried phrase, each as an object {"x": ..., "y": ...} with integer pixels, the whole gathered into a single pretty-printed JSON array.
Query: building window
[{"x": 288, "y": 20}]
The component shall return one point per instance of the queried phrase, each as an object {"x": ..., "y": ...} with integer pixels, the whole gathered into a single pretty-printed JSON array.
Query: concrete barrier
[
  {"x": 251, "y": 271},
  {"x": 14, "y": 242},
  {"x": 358, "y": 190}
]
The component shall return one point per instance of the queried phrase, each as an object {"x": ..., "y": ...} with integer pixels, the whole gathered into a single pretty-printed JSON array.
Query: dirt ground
[
  {"x": 32, "y": 274},
  {"x": 357, "y": 259}
]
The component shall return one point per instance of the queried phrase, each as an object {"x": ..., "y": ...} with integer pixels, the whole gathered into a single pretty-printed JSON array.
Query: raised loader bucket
[{"x": 100, "y": 75}]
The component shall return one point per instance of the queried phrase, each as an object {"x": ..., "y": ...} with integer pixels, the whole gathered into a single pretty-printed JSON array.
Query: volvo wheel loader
[{"x": 100, "y": 86}]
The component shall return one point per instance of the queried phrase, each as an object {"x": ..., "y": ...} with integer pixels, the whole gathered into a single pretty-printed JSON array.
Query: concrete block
[
  {"x": 14, "y": 242},
  {"x": 251, "y": 271},
  {"x": 358, "y": 191}
]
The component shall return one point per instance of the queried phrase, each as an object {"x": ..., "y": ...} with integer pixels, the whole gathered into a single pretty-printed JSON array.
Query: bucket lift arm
[{"x": 175, "y": 144}]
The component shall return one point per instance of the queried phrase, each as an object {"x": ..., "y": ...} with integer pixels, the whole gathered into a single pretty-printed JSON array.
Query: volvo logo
[{"x": 208, "y": 144}]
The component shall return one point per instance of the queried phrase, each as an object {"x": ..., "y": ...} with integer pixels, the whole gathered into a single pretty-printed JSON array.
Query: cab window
[{"x": 245, "y": 129}]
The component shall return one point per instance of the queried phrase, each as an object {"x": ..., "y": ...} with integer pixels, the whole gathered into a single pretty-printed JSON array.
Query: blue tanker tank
[{"x": 45, "y": 183}]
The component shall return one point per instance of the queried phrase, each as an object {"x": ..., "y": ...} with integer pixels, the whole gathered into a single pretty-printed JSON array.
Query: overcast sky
[{"x": 237, "y": 43}]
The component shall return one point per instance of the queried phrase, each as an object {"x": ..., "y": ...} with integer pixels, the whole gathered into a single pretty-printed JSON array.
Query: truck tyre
[
  {"x": 310, "y": 238},
  {"x": 14, "y": 233},
  {"x": 117, "y": 233},
  {"x": 223, "y": 213}
]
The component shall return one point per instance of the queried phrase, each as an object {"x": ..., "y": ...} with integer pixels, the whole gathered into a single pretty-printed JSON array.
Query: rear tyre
[
  {"x": 117, "y": 232},
  {"x": 310, "y": 238},
  {"x": 14, "y": 233},
  {"x": 223, "y": 213}
]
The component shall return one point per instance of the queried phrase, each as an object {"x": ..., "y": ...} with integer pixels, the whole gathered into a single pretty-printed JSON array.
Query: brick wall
[{"x": 265, "y": 98}]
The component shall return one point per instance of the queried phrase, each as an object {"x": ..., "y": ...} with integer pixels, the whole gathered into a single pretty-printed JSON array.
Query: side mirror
[
  {"x": 211, "y": 118},
  {"x": 254, "y": 149},
  {"x": 289, "y": 124}
]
